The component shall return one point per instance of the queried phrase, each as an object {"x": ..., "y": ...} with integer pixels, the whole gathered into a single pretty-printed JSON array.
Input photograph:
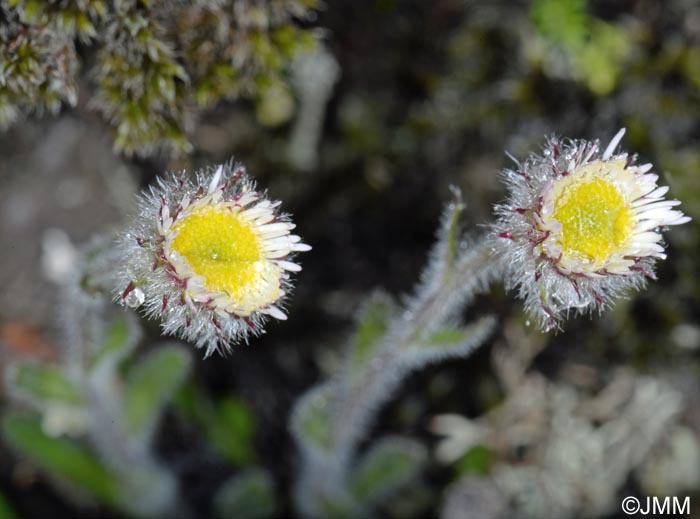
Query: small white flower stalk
[
  {"x": 581, "y": 226},
  {"x": 209, "y": 257}
]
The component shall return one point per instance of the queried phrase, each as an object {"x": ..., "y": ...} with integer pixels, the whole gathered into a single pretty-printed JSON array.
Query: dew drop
[
  {"x": 135, "y": 298},
  {"x": 527, "y": 323},
  {"x": 547, "y": 152}
]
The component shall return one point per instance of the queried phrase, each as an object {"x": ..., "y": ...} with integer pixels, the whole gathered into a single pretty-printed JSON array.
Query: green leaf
[
  {"x": 43, "y": 382},
  {"x": 371, "y": 326},
  {"x": 228, "y": 424},
  {"x": 6, "y": 510},
  {"x": 563, "y": 22},
  {"x": 60, "y": 457},
  {"x": 117, "y": 335},
  {"x": 232, "y": 430},
  {"x": 151, "y": 384},
  {"x": 476, "y": 460},
  {"x": 341, "y": 507},
  {"x": 390, "y": 464},
  {"x": 248, "y": 495},
  {"x": 453, "y": 342},
  {"x": 600, "y": 62},
  {"x": 311, "y": 421},
  {"x": 146, "y": 490},
  {"x": 121, "y": 337},
  {"x": 446, "y": 336}
]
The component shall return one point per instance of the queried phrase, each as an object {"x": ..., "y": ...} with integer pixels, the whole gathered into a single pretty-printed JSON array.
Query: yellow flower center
[
  {"x": 595, "y": 219},
  {"x": 227, "y": 252}
]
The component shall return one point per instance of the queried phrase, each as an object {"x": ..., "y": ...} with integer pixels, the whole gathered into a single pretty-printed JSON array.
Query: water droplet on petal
[
  {"x": 135, "y": 298},
  {"x": 547, "y": 152}
]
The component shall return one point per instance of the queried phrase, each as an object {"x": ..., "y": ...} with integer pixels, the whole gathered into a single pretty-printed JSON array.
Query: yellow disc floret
[
  {"x": 227, "y": 251},
  {"x": 595, "y": 220}
]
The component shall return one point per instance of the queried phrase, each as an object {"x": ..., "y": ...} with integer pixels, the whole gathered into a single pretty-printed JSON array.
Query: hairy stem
[
  {"x": 324, "y": 478},
  {"x": 382, "y": 375}
]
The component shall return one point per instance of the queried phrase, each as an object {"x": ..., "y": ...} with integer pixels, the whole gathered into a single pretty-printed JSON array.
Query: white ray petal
[
  {"x": 275, "y": 312},
  {"x": 288, "y": 265},
  {"x": 279, "y": 226},
  {"x": 276, "y": 254},
  {"x": 655, "y": 205},
  {"x": 215, "y": 180},
  {"x": 661, "y": 215},
  {"x": 613, "y": 144}
]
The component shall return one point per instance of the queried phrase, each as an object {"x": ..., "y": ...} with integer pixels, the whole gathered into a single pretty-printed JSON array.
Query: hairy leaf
[
  {"x": 151, "y": 384},
  {"x": 390, "y": 464},
  {"x": 229, "y": 424},
  {"x": 60, "y": 457},
  {"x": 121, "y": 337},
  {"x": 452, "y": 342},
  {"x": 248, "y": 495},
  {"x": 311, "y": 421},
  {"x": 476, "y": 460},
  {"x": 371, "y": 326},
  {"x": 43, "y": 382}
]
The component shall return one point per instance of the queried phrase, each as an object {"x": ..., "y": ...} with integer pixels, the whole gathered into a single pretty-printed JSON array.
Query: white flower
[
  {"x": 580, "y": 226},
  {"x": 210, "y": 258}
]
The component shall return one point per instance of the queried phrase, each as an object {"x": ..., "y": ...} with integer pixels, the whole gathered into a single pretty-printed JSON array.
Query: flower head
[
  {"x": 581, "y": 225},
  {"x": 209, "y": 257}
]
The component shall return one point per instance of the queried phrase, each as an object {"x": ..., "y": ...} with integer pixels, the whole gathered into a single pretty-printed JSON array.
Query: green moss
[{"x": 157, "y": 63}]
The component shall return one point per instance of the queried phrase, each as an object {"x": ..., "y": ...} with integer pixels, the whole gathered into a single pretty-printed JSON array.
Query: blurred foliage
[
  {"x": 228, "y": 423},
  {"x": 157, "y": 64},
  {"x": 390, "y": 464},
  {"x": 110, "y": 406},
  {"x": 61, "y": 457},
  {"x": 594, "y": 50},
  {"x": 312, "y": 419},
  {"x": 150, "y": 385},
  {"x": 371, "y": 327},
  {"x": 45, "y": 382},
  {"x": 476, "y": 460},
  {"x": 6, "y": 510},
  {"x": 247, "y": 495}
]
